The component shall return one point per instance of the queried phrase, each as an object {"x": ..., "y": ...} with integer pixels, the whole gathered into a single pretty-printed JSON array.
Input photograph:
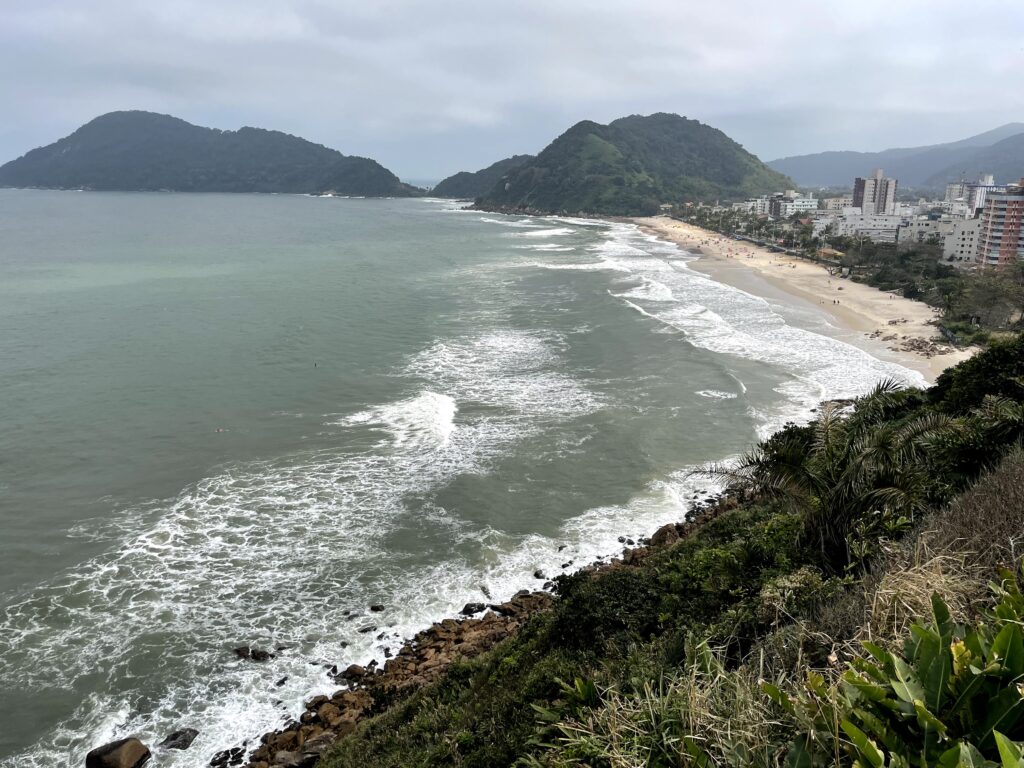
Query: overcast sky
[{"x": 428, "y": 88}]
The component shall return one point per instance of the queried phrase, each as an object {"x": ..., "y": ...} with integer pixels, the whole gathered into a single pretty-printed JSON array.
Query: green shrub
[
  {"x": 594, "y": 610},
  {"x": 706, "y": 715},
  {"x": 999, "y": 370},
  {"x": 943, "y": 702}
]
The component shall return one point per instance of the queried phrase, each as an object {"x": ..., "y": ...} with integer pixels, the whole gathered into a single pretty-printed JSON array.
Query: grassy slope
[{"x": 746, "y": 581}]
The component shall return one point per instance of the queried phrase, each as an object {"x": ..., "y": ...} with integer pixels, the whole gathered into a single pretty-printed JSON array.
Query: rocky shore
[
  {"x": 368, "y": 690},
  {"x": 365, "y": 691}
]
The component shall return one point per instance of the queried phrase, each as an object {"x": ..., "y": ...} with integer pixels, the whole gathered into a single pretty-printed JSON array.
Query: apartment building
[
  {"x": 1001, "y": 236},
  {"x": 875, "y": 194}
]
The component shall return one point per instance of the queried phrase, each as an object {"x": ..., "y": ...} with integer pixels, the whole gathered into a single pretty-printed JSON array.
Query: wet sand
[{"x": 886, "y": 325}]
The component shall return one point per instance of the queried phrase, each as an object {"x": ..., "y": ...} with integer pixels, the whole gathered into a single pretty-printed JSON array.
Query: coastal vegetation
[
  {"x": 144, "y": 151},
  {"x": 852, "y": 599},
  {"x": 976, "y": 305},
  {"x": 630, "y": 167}
]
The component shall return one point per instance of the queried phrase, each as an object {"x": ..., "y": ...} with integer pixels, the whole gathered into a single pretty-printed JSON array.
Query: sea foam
[{"x": 290, "y": 551}]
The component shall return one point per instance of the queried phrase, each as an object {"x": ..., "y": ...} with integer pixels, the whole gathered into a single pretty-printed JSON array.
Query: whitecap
[
  {"x": 425, "y": 420},
  {"x": 548, "y": 232},
  {"x": 715, "y": 394}
]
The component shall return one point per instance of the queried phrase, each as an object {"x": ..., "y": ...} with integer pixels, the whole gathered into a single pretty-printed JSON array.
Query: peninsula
[{"x": 145, "y": 151}]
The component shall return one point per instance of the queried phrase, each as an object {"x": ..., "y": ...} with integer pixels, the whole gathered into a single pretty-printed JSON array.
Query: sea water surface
[{"x": 241, "y": 420}]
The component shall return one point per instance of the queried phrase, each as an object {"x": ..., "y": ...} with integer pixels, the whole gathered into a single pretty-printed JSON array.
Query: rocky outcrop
[
  {"x": 419, "y": 662},
  {"x": 253, "y": 654},
  {"x": 179, "y": 739},
  {"x": 372, "y": 688},
  {"x": 903, "y": 343},
  {"x": 126, "y": 753}
]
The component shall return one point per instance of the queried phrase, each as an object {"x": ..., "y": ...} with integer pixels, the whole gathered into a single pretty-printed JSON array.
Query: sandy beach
[{"x": 886, "y": 325}]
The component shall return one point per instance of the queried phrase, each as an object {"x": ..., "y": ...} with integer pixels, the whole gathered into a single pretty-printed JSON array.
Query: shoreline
[
  {"x": 365, "y": 691},
  {"x": 362, "y": 692},
  {"x": 887, "y": 326}
]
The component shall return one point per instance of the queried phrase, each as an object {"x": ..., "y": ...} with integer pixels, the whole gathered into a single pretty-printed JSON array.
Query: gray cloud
[{"x": 432, "y": 87}]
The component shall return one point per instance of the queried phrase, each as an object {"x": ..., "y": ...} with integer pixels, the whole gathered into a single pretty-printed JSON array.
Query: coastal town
[{"x": 976, "y": 223}]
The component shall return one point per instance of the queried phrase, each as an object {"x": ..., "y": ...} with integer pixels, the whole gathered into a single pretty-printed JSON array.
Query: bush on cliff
[{"x": 711, "y": 711}]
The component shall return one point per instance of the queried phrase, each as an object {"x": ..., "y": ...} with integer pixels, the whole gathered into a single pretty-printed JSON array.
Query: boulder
[
  {"x": 233, "y": 756},
  {"x": 665, "y": 535},
  {"x": 354, "y": 672},
  {"x": 180, "y": 739},
  {"x": 377, "y": 608},
  {"x": 318, "y": 744},
  {"x": 316, "y": 702},
  {"x": 470, "y": 608},
  {"x": 294, "y": 760},
  {"x": 125, "y": 753},
  {"x": 329, "y": 714},
  {"x": 253, "y": 654}
]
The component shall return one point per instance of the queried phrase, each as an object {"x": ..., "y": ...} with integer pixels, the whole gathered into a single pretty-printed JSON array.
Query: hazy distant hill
[
  {"x": 1005, "y": 159},
  {"x": 632, "y": 165},
  {"x": 469, "y": 184},
  {"x": 914, "y": 166},
  {"x": 147, "y": 151}
]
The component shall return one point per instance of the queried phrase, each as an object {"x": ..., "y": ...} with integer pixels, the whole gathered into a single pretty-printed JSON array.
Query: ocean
[{"x": 234, "y": 420}]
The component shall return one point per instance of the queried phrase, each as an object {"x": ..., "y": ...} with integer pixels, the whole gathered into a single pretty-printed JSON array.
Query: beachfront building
[
  {"x": 922, "y": 229},
  {"x": 1001, "y": 236},
  {"x": 822, "y": 225},
  {"x": 758, "y": 206},
  {"x": 961, "y": 244},
  {"x": 837, "y": 204},
  {"x": 875, "y": 194},
  {"x": 878, "y": 227},
  {"x": 957, "y": 236},
  {"x": 791, "y": 203}
]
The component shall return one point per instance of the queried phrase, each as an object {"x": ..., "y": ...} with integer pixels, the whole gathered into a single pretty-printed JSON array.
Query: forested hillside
[
  {"x": 473, "y": 184},
  {"x": 631, "y": 166},
  {"x": 146, "y": 151}
]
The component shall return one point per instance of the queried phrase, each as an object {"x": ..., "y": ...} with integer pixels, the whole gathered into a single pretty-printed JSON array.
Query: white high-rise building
[{"x": 876, "y": 194}]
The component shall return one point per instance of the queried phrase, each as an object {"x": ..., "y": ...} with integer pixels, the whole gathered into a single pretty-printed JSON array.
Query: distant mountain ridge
[
  {"x": 929, "y": 166},
  {"x": 631, "y": 166},
  {"x": 472, "y": 184},
  {"x": 143, "y": 151},
  {"x": 1004, "y": 159}
]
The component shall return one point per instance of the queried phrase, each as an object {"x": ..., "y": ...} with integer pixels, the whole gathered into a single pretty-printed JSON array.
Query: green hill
[
  {"x": 470, "y": 185},
  {"x": 146, "y": 151},
  {"x": 631, "y": 166}
]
